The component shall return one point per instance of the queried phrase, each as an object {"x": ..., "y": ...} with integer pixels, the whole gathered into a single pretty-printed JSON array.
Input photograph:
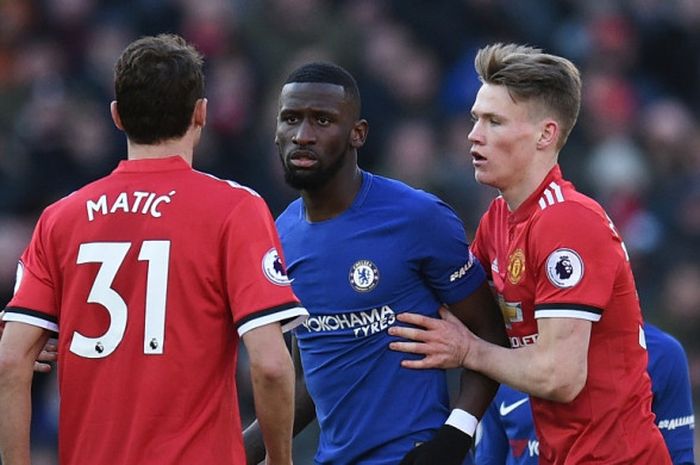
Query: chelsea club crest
[{"x": 364, "y": 276}]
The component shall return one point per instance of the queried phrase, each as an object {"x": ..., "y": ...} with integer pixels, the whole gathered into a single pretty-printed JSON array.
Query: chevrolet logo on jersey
[{"x": 512, "y": 311}]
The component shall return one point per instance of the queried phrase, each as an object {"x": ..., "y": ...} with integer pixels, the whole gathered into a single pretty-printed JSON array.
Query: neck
[
  {"x": 528, "y": 182},
  {"x": 184, "y": 147},
  {"x": 334, "y": 197}
]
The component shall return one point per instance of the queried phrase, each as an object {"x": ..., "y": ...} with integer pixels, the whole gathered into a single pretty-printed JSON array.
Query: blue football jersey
[
  {"x": 672, "y": 402},
  {"x": 506, "y": 434},
  {"x": 396, "y": 249}
]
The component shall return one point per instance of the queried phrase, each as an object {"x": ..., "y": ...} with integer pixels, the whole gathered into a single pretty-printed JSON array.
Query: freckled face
[
  {"x": 503, "y": 139},
  {"x": 314, "y": 126}
]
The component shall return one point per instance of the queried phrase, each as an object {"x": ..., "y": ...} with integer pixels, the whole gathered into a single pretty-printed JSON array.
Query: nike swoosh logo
[{"x": 506, "y": 409}]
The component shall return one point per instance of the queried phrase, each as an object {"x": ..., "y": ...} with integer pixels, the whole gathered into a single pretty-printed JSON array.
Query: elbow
[
  {"x": 273, "y": 370},
  {"x": 566, "y": 392},
  {"x": 13, "y": 370},
  {"x": 563, "y": 385}
]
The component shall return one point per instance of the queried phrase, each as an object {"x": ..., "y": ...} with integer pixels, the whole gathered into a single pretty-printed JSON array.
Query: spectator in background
[
  {"x": 506, "y": 434},
  {"x": 150, "y": 288}
]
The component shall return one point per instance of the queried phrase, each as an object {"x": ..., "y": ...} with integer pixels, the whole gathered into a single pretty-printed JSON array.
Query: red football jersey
[
  {"x": 559, "y": 256},
  {"x": 150, "y": 276}
]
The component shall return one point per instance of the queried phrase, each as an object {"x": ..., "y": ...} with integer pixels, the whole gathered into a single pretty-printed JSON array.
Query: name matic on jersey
[
  {"x": 145, "y": 203},
  {"x": 362, "y": 323}
]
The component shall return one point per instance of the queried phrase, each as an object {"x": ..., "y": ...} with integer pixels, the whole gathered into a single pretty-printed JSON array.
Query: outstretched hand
[
  {"x": 48, "y": 354},
  {"x": 444, "y": 341}
]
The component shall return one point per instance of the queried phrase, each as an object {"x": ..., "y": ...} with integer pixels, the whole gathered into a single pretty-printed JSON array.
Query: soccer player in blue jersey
[
  {"x": 507, "y": 434},
  {"x": 360, "y": 249}
]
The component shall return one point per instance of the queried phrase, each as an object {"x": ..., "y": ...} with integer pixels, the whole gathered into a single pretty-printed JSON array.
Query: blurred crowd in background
[{"x": 636, "y": 148}]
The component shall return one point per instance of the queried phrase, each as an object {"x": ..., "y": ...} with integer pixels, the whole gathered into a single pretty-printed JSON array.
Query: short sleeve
[
  {"x": 577, "y": 255},
  {"x": 35, "y": 301},
  {"x": 259, "y": 291},
  {"x": 447, "y": 263}
]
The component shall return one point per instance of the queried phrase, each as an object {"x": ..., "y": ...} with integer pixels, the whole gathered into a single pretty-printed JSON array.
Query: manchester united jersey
[
  {"x": 559, "y": 256},
  {"x": 507, "y": 435},
  {"x": 150, "y": 276}
]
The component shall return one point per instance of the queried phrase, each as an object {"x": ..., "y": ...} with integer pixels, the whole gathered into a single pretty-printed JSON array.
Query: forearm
[
  {"x": 475, "y": 393},
  {"x": 274, "y": 408},
  {"x": 476, "y": 389},
  {"x": 19, "y": 347},
  {"x": 272, "y": 379},
  {"x": 304, "y": 413},
  {"x": 531, "y": 369},
  {"x": 15, "y": 405}
]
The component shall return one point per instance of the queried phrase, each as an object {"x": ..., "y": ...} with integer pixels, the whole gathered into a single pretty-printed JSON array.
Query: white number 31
[{"x": 111, "y": 256}]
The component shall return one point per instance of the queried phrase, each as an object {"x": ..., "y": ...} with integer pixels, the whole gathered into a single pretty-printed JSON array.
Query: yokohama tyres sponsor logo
[{"x": 362, "y": 323}]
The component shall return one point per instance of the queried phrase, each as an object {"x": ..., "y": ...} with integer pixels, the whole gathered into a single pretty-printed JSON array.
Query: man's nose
[
  {"x": 304, "y": 134},
  {"x": 474, "y": 135}
]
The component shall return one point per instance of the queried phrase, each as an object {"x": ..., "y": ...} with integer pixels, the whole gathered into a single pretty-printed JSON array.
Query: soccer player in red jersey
[
  {"x": 560, "y": 272},
  {"x": 151, "y": 276}
]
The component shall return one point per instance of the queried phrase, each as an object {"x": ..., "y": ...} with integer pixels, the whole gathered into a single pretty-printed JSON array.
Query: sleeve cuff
[{"x": 463, "y": 421}]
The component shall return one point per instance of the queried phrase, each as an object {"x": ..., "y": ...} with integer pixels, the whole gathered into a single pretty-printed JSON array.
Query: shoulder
[
  {"x": 413, "y": 202},
  {"x": 663, "y": 346},
  {"x": 226, "y": 186},
  {"x": 289, "y": 216},
  {"x": 497, "y": 208},
  {"x": 75, "y": 201},
  {"x": 575, "y": 212}
]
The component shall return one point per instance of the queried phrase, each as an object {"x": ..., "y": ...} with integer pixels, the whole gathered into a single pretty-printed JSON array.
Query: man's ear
[
  {"x": 114, "y": 111},
  {"x": 358, "y": 134},
  {"x": 549, "y": 134},
  {"x": 199, "y": 115}
]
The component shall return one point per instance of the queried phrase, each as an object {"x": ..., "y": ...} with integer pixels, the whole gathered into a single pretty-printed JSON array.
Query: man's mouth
[
  {"x": 476, "y": 156},
  {"x": 302, "y": 159}
]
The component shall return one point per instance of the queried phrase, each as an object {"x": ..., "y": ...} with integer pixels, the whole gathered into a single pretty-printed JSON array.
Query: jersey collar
[
  {"x": 357, "y": 202},
  {"x": 531, "y": 204},
  {"x": 172, "y": 163}
]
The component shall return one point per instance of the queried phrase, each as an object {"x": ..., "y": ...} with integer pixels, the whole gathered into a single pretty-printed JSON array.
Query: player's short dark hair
[
  {"x": 157, "y": 81},
  {"x": 328, "y": 73},
  {"x": 530, "y": 74}
]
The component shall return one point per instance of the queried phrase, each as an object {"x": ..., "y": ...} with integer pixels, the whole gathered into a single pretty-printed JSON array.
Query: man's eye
[
  {"x": 323, "y": 121},
  {"x": 289, "y": 119}
]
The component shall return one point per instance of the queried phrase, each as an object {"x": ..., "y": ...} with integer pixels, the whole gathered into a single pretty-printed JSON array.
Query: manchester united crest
[{"x": 516, "y": 266}]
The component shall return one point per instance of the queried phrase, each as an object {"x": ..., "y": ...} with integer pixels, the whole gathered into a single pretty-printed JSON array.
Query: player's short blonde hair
[{"x": 530, "y": 74}]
